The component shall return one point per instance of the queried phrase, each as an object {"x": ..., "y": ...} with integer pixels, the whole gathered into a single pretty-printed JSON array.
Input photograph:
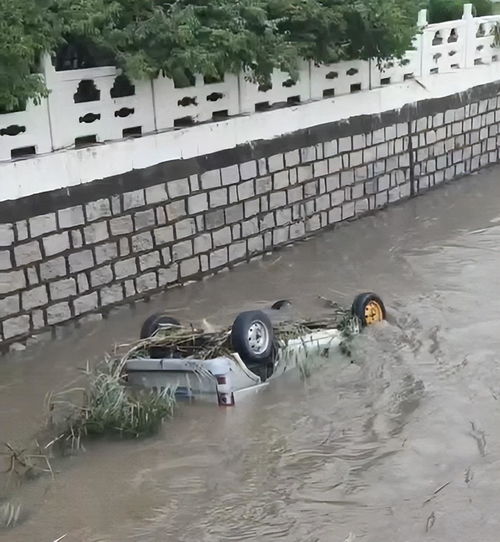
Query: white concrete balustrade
[{"x": 96, "y": 105}]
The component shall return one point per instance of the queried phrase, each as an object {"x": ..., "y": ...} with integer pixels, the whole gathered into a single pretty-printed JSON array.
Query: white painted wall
[
  {"x": 71, "y": 167},
  {"x": 446, "y": 58}
]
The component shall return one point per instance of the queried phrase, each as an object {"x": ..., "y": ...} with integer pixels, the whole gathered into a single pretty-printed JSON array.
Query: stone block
[
  {"x": 202, "y": 243},
  {"x": 263, "y": 185},
  {"x": 356, "y": 158},
  {"x": 304, "y": 173},
  {"x": 178, "y": 188},
  {"x": 144, "y": 219},
  {"x": 42, "y": 224},
  {"x": 330, "y": 148},
  {"x": 13, "y": 327},
  {"x": 27, "y": 253},
  {"x": 347, "y": 210},
  {"x": 308, "y": 154},
  {"x": 182, "y": 250},
  {"x": 101, "y": 275},
  {"x": 185, "y": 228},
  {"x": 222, "y": 237},
  {"x": 255, "y": 245},
  {"x": 9, "y": 305},
  {"x": 71, "y": 217},
  {"x": 156, "y": 194},
  {"x": 56, "y": 243},
  {"x": 275, "y": 163},
  {"x": 111, "y": 294},
  {"x": 281, "y": 180},
  {"x": 125, "y": 268},
  {"x": 57, "y": 267},
  {"x": 218, "y": 198},
  {"x": 230, "y": 175},
  {"x": 76, "y": 238},
  {"x": 251, "y": 207},
  {"x": 234, "y": 213},
  {"x": 95, "y": 232},
  {"x": 97, "y": 209},
  {"x": 106, "y": 252},
  {"x": 237, "y": 251},
  {"x": 248, "y": 170},
  {"x": 284, "y": 216},
  {"x": 133, "y": 199},
  {"x": 6, "y": 235},
  {"x": 163, "y": 235},
  {"x": 62, "y": 289},
  {"x": 35, "y": 297},
  {"x": 189, "y": 268},
  {"x": 197, "y": 204},
  {"x": 369, "y": 155},
  {"x": 292, "y": 158},
  {"x": 5, "y": 261},
  {"x": 246, "y": 190},
  {"x": 149, "y": 261},
  {"x": 346, "y": 178},
  {"x": 210, "y": 179},
  {"x": 78, "y": 261},
  {"x": 277, "y": 199},
  {"x": 390, "y": 132},
  {"x": 32, "y": 275},
  {"x": 214, "y": 219},
  {"x": 146, "y": 282},
  {"x": 345, "y": 144},
  {"x": 21, "y": 230},
  {"x": 58, "y": 313},
  {"x": 175, "y": 210},
  {"x": 86, "y": 303},
  {"x": 382, "y": 151},
  {"x": 142, "y": 241},
  {"x": 378, "y": 136},
  {"x": 83, "y": 283},
  {"x": 320, "y": 168},
  {"x": 218, "y": 258},
  {"x": 361, "y": 206}
]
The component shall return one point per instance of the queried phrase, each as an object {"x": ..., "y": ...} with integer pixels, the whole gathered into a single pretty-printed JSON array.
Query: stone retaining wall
[{"x": 76, "y": 252}]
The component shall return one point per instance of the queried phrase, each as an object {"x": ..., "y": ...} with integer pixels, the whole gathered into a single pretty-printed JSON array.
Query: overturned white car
[{"x": 260, "y": 345}]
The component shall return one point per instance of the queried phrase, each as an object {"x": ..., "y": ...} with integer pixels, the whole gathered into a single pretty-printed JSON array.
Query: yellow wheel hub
[{"x": 373, "y": 313}]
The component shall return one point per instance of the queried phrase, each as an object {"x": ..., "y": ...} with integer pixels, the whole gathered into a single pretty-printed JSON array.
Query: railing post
[
  {"x": 470, "y": 36},
  {"x": 421, "y": 43}
]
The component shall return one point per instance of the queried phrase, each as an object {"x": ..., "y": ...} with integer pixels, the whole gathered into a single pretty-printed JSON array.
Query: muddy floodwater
[{"x": 399, "y": 443}]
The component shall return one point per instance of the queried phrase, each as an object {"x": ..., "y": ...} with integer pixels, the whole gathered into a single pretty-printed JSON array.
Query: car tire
[
  {"x": 153, "y": 322},
  {"x": 281, "y": 304},
  {"x": 252, "y": 337},
  {"x": 368, "y": 308}
]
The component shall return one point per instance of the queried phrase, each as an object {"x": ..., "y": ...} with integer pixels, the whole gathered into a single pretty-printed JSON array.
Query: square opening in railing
[
  {"x": 385, "y": 81},
  {"x": 183, "y": 122},
  {"x": 85, "y": 141},
  {"x": 328, "y": 93},
  {"x": 22, "y": 152},
  {"x": 262, "y": 106},
  {"x": 134, "y": 131},
  {"x": 356, "y": 87},
  {"x": 293, "y": 100},
  {"x": 220, "y": 115}
]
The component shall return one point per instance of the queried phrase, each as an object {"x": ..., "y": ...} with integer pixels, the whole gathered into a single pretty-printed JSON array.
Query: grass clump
[{"x": 104, "y": 405}]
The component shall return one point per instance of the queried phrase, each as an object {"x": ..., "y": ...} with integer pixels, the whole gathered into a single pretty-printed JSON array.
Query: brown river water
[{"x": 402, "y": 444}]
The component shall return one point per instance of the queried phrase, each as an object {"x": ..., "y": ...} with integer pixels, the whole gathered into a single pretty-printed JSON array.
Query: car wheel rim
[
  {"x": 373, "y": 313},
  {"x": 258, "y": 337}
]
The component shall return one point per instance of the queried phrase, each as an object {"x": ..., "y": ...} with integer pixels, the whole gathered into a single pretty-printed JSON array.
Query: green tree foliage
[
  {"x": 182, "y": 37},
  {"x": 450, "y": 10}
]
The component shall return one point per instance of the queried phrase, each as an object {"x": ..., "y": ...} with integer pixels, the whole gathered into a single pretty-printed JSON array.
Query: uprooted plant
[{"x": 104, "y": 405}]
